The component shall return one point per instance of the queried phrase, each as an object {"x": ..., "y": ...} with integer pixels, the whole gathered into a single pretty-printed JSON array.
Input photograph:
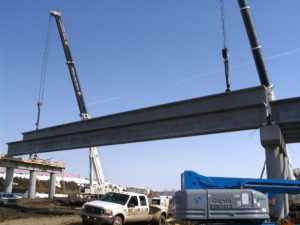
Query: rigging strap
[
  {"x": 225, "y": 54},
  {"x": 225, "y": 51}
]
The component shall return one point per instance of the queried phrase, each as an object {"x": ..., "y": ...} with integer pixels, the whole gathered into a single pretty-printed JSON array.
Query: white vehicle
[
  {"x": 165, "y": 202},
  {"x": 120, "y": 208},
  {"x": 8, "y": 199}
]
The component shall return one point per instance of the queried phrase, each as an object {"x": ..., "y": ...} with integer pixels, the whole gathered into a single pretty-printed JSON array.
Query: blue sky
[{"x": 131, "y": 54}]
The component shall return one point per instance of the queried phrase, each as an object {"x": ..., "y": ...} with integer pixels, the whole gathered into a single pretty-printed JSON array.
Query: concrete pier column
[
  {"x": 32, "y": 184},
  {"x": 274, "y": 162},
  {"x": 8, "y": 185},
  {"x": 52, "y": 185},
  {"x": 275, "y": 149}
]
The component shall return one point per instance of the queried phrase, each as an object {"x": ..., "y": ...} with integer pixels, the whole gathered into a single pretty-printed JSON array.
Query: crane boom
[
  {"x": 94, "y": 159},
  {"x": 71, "y": 65}
]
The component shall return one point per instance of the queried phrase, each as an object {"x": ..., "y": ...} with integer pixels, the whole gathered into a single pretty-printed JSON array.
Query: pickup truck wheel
[
  {"x": 161, "y": 220},
  {"x": 117, "y": 221}
]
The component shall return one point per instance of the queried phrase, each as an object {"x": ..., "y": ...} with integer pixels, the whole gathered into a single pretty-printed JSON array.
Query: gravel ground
[
  {"x": 45, "y": 220},
  {"x": 41, "y": 212}
]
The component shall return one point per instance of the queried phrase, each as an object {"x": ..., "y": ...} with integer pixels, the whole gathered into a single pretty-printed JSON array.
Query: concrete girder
[
  {"x": 230, "y": 111},
  {"x": 286, "y": 110},
  {"x": 196, "y": 106},
  {"x": 286, "y": 114}
]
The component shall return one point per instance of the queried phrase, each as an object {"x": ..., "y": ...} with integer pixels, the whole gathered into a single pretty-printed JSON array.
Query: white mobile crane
[{"x": 102, "y": 187}]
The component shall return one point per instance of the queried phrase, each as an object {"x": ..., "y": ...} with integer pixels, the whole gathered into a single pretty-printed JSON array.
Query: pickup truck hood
[{"x": 105, "y": 205}]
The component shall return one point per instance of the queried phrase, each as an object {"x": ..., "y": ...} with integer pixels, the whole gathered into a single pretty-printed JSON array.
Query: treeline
[{"x": 20, "y": 185}]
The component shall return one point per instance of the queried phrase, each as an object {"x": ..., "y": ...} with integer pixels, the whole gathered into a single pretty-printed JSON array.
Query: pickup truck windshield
[{"x": 115, "y": 198}]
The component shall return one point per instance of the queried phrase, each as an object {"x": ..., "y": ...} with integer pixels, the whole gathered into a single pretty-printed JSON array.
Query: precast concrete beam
[
  {"x": 196, "y": 106},
  {"x": 285, "y": 113},
  {"x": 230, "y": 111},
  {"x": 286, "y": 110},
  {"x": 9, "y": 177},
  {"x": 231, "y": 120}
]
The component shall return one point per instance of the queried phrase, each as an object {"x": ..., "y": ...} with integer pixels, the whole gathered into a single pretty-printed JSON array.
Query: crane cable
[
  {"x": 225, "y": 51},
  {"x": 43, "y": 73}
]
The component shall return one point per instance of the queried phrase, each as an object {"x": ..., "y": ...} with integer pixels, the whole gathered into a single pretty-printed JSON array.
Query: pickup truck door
[
  {"x": 144, "y": 208},
  {"x": 138, "y": 209},
  {"x": 133, "y": 209}
]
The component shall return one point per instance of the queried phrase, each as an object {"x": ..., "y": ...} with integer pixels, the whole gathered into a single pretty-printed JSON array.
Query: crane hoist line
[
  {"x": 44, "y": 72},
  {"x": 225, "y": 50}
]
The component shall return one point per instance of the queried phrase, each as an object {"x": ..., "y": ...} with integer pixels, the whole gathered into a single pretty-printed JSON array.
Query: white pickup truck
[{"x": 120, "y": 208}]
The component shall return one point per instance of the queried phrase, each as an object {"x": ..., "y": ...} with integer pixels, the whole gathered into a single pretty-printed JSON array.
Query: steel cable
[
  {"x": 225, "y": 51},
  {"x": 44, "y": 72}
]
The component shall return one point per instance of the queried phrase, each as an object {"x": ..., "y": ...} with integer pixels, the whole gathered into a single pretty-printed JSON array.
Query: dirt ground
[
  {"x": 40, "y": 212},
  {"x": 49, "y": 220}
]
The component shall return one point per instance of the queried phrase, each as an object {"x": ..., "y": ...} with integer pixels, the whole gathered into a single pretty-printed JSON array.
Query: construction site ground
[{"x": 40, "y": 212}]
